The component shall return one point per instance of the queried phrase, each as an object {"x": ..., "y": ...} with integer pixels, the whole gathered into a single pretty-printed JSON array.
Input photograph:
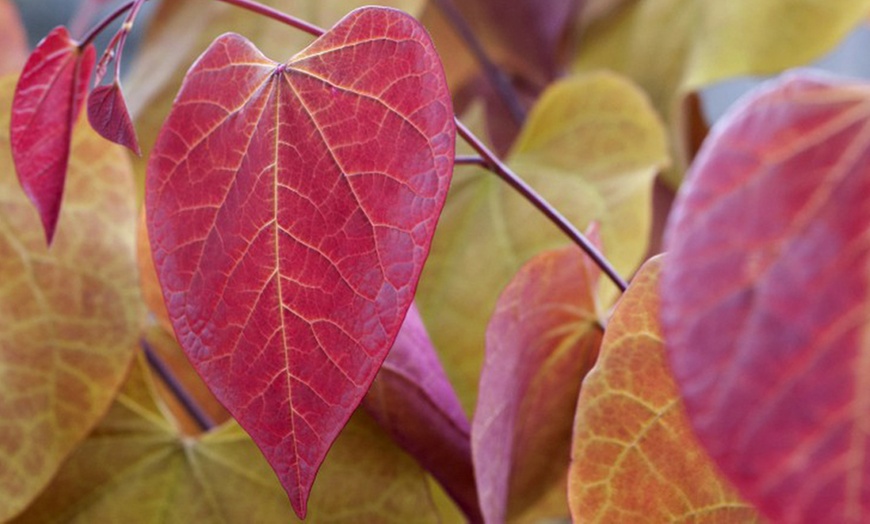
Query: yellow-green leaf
[
  {"x": 634, "y": 457},
  {"x": 136, "y": 467},
  {"x": 69, "y": 315},
  {"x": 674, "y": 47},
  {"x": 592, "y": 146}
]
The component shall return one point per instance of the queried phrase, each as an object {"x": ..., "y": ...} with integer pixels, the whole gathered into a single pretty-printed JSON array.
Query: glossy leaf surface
[
  {"x": 47, "y": 103},
  {"x": 542, "y": 340},
  {"x": 290, "y": 216},
  {"x": 136, "y": 467},
  {"x": 414, "y": 402},
  {"x": 634, "y": 457},
  {"x": 108, "y": 115},
  {"x": 765, "y": 297},
  {"x": 674, "y": 47},
  {"x": 573, "y": 151},
  {"x": 70, "y": 314}
]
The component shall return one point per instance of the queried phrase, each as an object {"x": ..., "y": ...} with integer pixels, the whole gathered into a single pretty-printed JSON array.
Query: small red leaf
[
  {"x": 541, "y": 341},
  {"x": 108, "y": 115},
  {"x": 47, "y": 103},
  {"x": 765, "y": 298},
  {"x": 290, "y": 208},
  {"x": 412, "y": 399}
]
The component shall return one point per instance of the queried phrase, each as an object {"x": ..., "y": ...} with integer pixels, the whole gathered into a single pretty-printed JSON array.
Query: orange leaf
[{"x": 635, "y": 458}]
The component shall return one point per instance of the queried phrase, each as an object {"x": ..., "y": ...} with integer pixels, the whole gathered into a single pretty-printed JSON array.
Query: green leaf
[{"x": 591, "y": 146}]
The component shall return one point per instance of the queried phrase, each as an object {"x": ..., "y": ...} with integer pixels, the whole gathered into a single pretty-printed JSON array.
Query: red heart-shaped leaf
[
  {"x": 47, "y": 103},
  {"x": 765, "y": 298},
  {"x": 290, "y": 209}
]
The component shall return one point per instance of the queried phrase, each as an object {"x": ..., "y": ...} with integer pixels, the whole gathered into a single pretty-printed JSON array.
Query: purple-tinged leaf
[
  {"x": 108, "y": 115},
  {"x": 414, "y": 402},
  {"x": 47, "y": 103},
  {"x": 542, "y": 340}
]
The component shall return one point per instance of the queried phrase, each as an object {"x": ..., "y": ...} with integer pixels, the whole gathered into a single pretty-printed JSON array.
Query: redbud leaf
[
  {"x": 108, "y": 115},
  {"x": 290, "y": 212},
  {"x": 634, "y": 457},
  {"x": 414, "y": 402},
  {"x": 70, "y": 314},
  {"x": 47, "y": 103},
  {"x": 541, "y": 341},
  {"x": 765, "y": 296}
]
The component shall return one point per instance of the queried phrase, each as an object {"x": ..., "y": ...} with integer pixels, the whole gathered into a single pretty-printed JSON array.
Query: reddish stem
[
  {"x": 470, "y": 160},
  {"x": 274, "y": 14},
  {"x": 125, "y": 31},
  {"x": 104, "y": 23},
  {"x": 498, "y": 167}
]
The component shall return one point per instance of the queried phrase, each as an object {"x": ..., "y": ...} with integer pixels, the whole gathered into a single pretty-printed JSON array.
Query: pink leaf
[
  {"x": 765, "y": 298},
  {"x": 108, "y": 115},
  {"x": 290, "y": 208},
  {"x": 541, "y": 341},
  {"x": 47, "y": 103},
  {"x": 414, "y": 402}
]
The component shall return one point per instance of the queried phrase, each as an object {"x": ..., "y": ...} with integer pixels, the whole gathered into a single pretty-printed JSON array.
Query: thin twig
[
  {"x": 499, "y": 81},
  {"x": 470, "y": 160},
  {"x": 104, "y": 23},
  {"x": 505, "y": 173},
  {"x": 202, "y": 419},
  {"x": 274, "y": 14}
]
